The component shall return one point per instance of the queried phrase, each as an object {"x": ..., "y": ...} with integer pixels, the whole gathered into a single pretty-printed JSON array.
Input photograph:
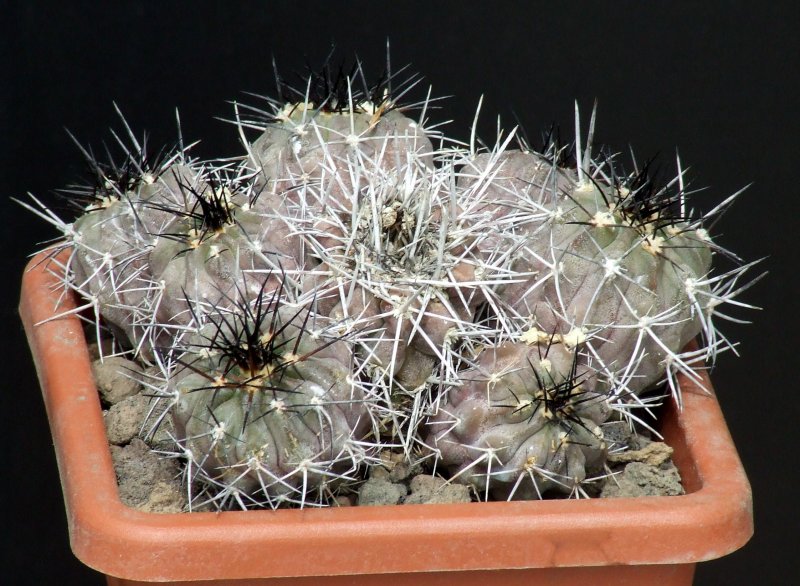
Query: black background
[{"x": 711, "y": 79}]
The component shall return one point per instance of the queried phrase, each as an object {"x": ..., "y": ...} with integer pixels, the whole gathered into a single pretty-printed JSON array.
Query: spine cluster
[{"x": 357, "y": 282}]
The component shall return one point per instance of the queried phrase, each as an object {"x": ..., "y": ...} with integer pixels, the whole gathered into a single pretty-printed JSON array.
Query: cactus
[
  {"x": 616, "y": 264},
  {"x": 266, "y": 407},
  {"x": 614, "y": 271},
  {"x": 316, "y": 136},
  {"x": 523, "y": 422},
  {"x": 122, "y": 208},
  {"x": 216, "y": 246},
  {"x": 348, "y": 287},
  {"x": 610, "y": 265}
]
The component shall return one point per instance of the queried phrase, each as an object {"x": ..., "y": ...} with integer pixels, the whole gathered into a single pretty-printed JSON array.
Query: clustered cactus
[{"x": 357, "y": 282}]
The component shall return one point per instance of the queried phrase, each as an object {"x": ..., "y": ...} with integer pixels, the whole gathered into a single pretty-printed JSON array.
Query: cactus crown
[
  {"x": 247, "y": 337},
  {"x": 557, "y": 399},
  {"x": 110, "y": 180},
  {"x": 212, "y": 211},
  {"x": 338, "y": 89}
]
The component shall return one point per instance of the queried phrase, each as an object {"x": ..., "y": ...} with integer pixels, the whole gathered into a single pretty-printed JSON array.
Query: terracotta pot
[{"x": 651, "y": 540}]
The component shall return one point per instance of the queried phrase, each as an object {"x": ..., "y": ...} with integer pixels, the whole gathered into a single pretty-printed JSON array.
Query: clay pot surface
[{"x": 648, "y": 540}]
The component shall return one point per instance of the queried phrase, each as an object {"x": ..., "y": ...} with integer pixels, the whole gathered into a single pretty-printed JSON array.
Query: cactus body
[
  {"x": 112, "y": 243},
  {"x": 610, "y": 267},
  {"x": 522, "y": 423},
  {"x": 266, "y": 410},
  {"x": 316, "y": 147},
  {"x": 347, "y": 288},
  {"x": 215, "y": 251}
]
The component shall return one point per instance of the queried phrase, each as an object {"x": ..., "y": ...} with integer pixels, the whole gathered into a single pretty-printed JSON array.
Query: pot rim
[{"x": 713, "y": 519}]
